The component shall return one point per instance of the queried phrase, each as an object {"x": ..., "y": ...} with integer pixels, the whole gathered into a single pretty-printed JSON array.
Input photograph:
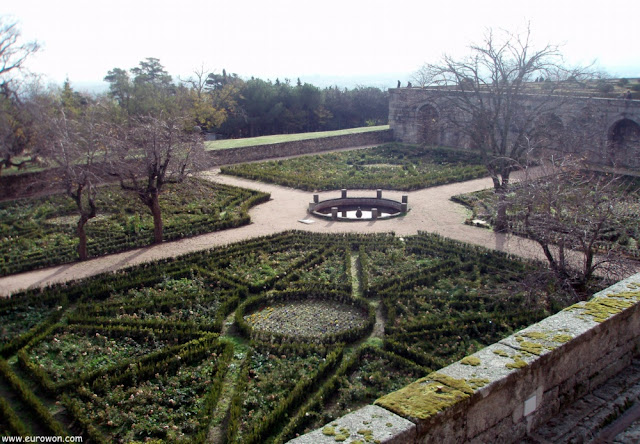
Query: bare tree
[
  {"x": 74, "y": 144},
  {"x": 146, "y": 153},
  {"x": 198, "y": 83},
  {"x": 13, "y": 54},
  {"x": 572, "y": 214},
  {"x": 16, "y": 118},
  {"x": 493, "y": 100},
  {"x": 425, "y": 76}
]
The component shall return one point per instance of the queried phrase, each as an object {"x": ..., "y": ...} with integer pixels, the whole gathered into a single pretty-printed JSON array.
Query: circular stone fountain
[{"x": 348, "y": 209}]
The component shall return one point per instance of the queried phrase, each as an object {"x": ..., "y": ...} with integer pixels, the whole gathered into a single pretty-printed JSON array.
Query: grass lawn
[{"x": 279, "y": 138}]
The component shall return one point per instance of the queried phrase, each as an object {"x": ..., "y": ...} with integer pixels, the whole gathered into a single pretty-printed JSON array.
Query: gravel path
[{"x": 431, "y": 210}]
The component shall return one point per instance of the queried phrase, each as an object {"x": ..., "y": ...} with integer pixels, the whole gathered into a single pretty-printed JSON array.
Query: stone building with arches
[{"x": 605, "y": 131}]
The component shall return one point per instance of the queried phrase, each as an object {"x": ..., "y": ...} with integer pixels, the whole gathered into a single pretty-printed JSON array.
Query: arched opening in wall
[
  {"x": 584, "y": 135},
  {"x": 428, "y": 125},
  {"x": 624, "y": 143},
  {"x": 548, "y": 135},
  {"x": 480, "y": 131}
]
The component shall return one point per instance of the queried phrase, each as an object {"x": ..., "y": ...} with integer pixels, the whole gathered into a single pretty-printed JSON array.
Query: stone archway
[
  {"x": 428, "y": 125},
  {"x": 548, "y": 134},
  {"x": 624, "y": 143}
]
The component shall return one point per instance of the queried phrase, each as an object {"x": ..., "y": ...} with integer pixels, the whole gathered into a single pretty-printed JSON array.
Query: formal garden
[
  {"x": 392, "y": 166},
  {"x": 41, "y": 231},
  {"x": 257, "y": 341},
  {"x": 593, "y": 192}
]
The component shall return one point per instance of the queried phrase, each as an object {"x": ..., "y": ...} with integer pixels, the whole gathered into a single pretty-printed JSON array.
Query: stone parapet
[
  {"x": 296, "y": 148},
  {"x": 506, "y": 390},
  {"x": 424, "y": 115},
  {"x": 48, "y": 181}
]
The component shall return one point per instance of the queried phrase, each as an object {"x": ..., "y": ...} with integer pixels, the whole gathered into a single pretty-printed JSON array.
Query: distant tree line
[
  {"x": 147, "y": 130},
  {"x": 232, "y": 107}
]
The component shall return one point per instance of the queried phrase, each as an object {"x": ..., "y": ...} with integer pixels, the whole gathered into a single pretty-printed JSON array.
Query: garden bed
[
  {"x": 621, "y": 233},
  {"x": 40, "y": 232},
  {"x": 158, "y": 351},
  {"x": 393, "y": 166}
]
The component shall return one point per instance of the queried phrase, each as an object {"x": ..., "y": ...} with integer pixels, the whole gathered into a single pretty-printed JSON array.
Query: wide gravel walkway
[{"x": 431, "y": 210}]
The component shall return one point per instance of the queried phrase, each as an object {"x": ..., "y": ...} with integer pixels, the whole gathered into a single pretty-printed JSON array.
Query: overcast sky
[{"x": 371, "y": 41}]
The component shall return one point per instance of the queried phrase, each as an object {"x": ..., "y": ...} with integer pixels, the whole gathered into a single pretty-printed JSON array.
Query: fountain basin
[{"x": 357, "y": 208}]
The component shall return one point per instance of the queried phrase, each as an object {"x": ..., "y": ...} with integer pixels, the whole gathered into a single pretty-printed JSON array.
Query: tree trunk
[
  {"x": 157, "y": 218},
  {"x": 501, "y": 225},
  {"x": 500, "y": 185},
  {"x": 82, "y": 238}
]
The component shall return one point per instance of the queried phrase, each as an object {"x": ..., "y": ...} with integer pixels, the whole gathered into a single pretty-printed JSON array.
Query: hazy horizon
[{"x": 372, "y": 43}]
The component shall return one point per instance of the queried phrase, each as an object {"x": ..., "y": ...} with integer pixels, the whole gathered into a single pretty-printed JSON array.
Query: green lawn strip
[
  {"x": 231, "y": 377},
  {"x": 235, "y": 405},
  {"x": 356, "y": 273},
  {"x": 13, "y": 419},
  {"x": 279, "y": 138}
]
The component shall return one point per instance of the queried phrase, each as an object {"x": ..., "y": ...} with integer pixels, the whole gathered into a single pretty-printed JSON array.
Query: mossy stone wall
[{"x": 506, "y": 390}]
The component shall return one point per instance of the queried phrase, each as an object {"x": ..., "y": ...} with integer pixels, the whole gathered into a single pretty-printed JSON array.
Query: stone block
[
  {"x": 449, "y": 426},
  {"x": 502, "y": 432},
  {"x": 611, "y": 368},
  {"x": 368, "y": 424},
  {"x": 548, "y": 405}
]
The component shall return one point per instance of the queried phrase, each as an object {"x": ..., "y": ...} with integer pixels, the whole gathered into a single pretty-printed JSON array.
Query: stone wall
[
  {"x": 506, "y": 390},
  {"x": 28, "y": 184},
  {"x": 419, "y": 115},
  {"x": 286, "y": 149}
]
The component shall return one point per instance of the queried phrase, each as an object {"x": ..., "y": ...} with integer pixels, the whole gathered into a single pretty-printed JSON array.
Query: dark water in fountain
[{"x": 349, "y": 212}]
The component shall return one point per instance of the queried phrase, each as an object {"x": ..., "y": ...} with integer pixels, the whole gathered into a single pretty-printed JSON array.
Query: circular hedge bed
[{"x": 300, "y": 316}]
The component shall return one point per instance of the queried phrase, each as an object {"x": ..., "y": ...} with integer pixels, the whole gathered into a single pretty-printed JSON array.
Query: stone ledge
[
  {"x": 506, "y": 390},
  {"x": 370, "y": 424}
]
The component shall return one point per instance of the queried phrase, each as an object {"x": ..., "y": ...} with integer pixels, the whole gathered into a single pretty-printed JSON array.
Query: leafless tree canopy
[
  {"x": 571, "y": 213},
  {"x": 485, "y": 97},
  {"x": 147, "y": 152},
  {"x": 13, "y": 54},
  {"x": 16, "y": 113},
  {"x": 74, "y": 144}
]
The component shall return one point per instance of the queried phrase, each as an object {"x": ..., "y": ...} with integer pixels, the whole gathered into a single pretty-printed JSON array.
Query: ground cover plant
[
  {"x": 204, "y": 347},
  {"x": 392, "y": 166},
  {"x": 39, "y": 232},
  {"x": 620, "y": 232}
]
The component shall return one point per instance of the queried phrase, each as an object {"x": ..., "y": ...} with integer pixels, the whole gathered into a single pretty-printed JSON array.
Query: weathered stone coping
[
  {"x": 368, "y": 424},
  {"x": 506, "y": 390}
]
